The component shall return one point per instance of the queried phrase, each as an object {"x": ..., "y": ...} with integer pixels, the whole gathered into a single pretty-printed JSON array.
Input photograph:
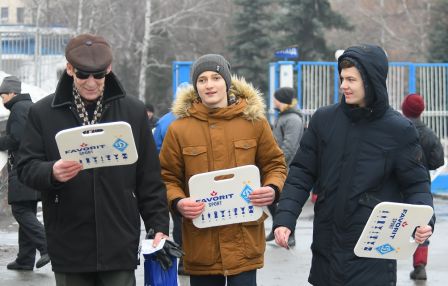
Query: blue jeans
[{"x": 248, "y": 278}]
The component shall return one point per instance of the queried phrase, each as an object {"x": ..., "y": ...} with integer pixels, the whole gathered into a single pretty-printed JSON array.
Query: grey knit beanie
[
  {"x": 211, "y": 62},
  {"x": 11, "y": 84}
]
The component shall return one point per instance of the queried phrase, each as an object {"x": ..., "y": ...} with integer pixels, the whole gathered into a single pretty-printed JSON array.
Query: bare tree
[
  {"x": 146, "y": 43},
  {"x": 164, "y": 20},
  {"x": 80, "y": 14},
  {"x": 145, "y": 49},
  {"x": 401, "y": 26}
]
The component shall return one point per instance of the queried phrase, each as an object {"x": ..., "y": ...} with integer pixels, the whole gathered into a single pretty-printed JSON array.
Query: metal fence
[
  {"x": 318, "y": 85},
  {"x": 34, "y": 55}
]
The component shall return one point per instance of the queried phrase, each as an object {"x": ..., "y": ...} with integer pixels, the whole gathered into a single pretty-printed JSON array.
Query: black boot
[
  {"x": 16, "y": 266},
  {"x": 43, "y": 260},
  {"x": 419, "y": 273}
]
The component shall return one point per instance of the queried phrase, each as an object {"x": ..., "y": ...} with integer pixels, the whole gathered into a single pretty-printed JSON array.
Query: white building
[{"x": 14, "y": 12}]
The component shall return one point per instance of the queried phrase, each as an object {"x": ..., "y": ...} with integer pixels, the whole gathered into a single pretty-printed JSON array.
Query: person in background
[
  {"x": 433, "y": 157},
  {"x": 23, "y": 200},
  {"x": 354, "y": 155},
  {"x": 161, "y": 128},
  {"x": 288, "y": 130},
  {"x": 92, "y": 217},
  {"x": 152, "y": 118},
  {"x": 165, "y": 121},
  {"x": 220, "y": 124}
]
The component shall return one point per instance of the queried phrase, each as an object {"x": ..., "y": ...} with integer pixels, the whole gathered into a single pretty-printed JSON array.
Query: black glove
[
  {"x": 173, "y": 249},
  {"x": 170, "y": 249},
  {"x": 164, "y": 259}
]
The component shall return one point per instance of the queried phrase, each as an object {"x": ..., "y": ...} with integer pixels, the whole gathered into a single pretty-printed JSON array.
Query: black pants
[
  {"x": 177, "y": 228},
  {"x": 31, "y": 232},
  {"x": 248, "y": 278},
  {"x": 106, "y": 278}
]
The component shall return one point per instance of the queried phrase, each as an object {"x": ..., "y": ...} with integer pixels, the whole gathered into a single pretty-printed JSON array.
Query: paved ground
[{"x": 282, "y": 267}]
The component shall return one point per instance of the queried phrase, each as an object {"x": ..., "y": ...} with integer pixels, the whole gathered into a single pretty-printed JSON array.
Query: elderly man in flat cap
[
  {"x": 92, "y": 216},
  {"x": 23, "y": 200}
]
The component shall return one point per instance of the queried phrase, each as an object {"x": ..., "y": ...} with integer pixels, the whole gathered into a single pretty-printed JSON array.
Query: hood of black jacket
[
  {"x": 17, "y": 98},
  {"x": 373, "y": 65},
  {"x": 64, "y": 91}
]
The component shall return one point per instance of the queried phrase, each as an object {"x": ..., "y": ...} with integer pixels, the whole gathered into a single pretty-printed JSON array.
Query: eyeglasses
[{"x": 86, "y": 75}]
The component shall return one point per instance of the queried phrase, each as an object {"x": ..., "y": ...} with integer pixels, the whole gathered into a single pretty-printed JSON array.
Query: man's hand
[
  {"x": 422, "y": 233},
  {"x": 157, "y": 238},
  {"x": 65, "y": 170},
  {"x": 282, "y": 235},
  {"x": 189, "y": 208},
  {"x": 263, "y": 196}
]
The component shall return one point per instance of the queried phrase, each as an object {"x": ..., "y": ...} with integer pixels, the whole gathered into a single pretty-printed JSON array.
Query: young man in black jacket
[
  {"x": 92, "y": 217},
  {"x": 354, "y": 154},
  {"x": 433, "y": 158},
  {"x": 23, "y": 200}
]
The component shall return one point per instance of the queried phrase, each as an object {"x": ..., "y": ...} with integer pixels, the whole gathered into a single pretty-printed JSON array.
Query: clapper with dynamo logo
[
  {"x": 225, "y": 194},
  {"x": 98, "y": 145},
  {"x": 388, "y": 232}
]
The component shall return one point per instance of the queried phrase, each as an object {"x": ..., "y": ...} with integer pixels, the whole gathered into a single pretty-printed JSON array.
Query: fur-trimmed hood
[{"x": 249, "y": 101}]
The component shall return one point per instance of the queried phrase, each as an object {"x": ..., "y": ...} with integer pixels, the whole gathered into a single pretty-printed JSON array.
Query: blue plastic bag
[{"x": 156, "y": 276}]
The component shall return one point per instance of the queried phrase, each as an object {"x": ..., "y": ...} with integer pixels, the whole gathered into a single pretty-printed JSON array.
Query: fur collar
[{"x": 242, "y": 90}]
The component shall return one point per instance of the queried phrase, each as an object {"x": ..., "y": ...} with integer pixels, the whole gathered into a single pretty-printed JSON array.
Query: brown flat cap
[{"x": 89, "y": 53}]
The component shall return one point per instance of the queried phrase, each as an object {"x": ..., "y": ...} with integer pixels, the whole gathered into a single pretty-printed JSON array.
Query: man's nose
[{"x": 91, "y": 80}]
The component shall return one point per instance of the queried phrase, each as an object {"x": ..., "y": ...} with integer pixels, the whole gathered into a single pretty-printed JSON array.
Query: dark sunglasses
[{"x": 85, "y": 75}]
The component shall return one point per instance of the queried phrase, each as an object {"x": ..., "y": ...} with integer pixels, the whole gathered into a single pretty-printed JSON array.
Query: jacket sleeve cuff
[
  {"x": 174, "y": 206},
  {"x": 277, "y": 192}
]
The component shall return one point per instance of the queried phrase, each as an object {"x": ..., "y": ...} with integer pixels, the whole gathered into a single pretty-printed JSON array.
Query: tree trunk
[
  {"x": 145, "y": 49},
  {"x": 79, "y": 24}
]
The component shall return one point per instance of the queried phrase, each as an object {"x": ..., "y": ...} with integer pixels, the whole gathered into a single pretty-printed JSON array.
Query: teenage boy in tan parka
[{"x": 221, "y": 124}]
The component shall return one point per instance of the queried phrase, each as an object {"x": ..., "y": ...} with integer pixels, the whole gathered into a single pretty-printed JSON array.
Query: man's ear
[
  {"x": 109, "y": 69},
  {"x": 70, "y": 69}
]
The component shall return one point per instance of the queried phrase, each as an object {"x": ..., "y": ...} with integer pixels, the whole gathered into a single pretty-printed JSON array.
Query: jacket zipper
[{"x": 106, "y": 106}]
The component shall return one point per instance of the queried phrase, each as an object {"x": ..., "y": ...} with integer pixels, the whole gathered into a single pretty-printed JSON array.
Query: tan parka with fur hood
[{"x": 203, "y": 140}]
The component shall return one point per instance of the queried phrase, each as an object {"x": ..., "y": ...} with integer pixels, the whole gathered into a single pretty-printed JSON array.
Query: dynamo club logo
[
  {"x": 120, "y": 145},
  {"x": 247, "y": 190},
  {"x": 385, "y": 249}
]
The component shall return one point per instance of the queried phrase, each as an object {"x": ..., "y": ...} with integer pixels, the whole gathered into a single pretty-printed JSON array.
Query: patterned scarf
[{"x": 81, "y": 109}]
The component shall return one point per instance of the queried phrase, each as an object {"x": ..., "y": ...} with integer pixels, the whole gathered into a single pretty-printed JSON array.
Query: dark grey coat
[
  {"x": 19, "y": 106},
  {"x": 432, "y": 148},
  {"x": 288, "y": 130},
  {"x": 354, "y": 158}
]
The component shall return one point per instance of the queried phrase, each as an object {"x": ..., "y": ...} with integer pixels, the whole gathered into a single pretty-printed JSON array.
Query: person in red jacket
[{"x": 433, "y": 157}]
